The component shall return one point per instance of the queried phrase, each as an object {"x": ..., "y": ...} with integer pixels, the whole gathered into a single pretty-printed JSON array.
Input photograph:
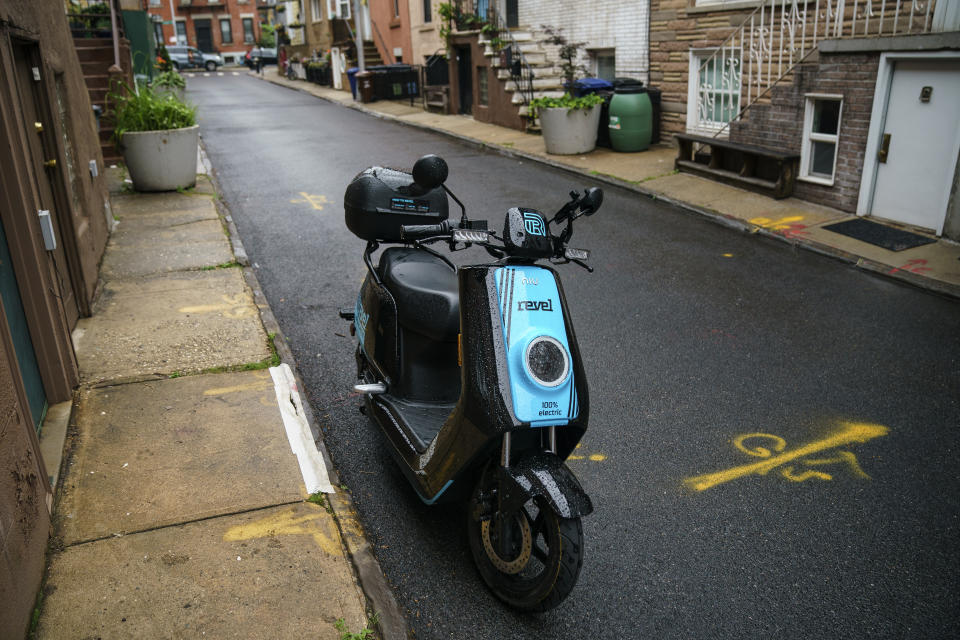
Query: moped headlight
[{"x": 546, "y": 361}]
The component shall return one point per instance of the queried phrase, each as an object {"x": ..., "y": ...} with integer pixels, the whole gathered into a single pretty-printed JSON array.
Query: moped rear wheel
[{"x": 543, "y": 561}]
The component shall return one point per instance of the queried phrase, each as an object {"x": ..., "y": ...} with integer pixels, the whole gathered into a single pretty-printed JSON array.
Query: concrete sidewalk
[
  {"x": 185, "y": 506},
  {"x": 934, "y": 266}
]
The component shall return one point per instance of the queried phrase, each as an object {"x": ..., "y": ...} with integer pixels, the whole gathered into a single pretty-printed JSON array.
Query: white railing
[{"x": 781, "y": 33}]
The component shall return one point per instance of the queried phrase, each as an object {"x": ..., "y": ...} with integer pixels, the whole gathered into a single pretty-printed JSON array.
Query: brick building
[
  {"x": 231, "y": 27},
  {"x": 863, "y": 92}
]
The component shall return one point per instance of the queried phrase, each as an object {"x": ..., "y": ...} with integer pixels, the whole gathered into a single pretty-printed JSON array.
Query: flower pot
[
  {"x": 162, "y": 160},
  {"x": 569, "y": 131}
]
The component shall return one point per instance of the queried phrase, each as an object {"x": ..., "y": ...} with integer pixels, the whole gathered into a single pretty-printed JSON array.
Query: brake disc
[{"x": 516, "y": 565}]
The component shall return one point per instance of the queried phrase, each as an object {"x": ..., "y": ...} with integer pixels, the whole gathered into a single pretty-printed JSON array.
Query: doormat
[{"x": 879, "y": 234}]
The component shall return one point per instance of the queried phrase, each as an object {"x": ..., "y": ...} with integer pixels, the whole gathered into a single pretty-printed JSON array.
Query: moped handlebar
[{"x": 416, "y": 231}]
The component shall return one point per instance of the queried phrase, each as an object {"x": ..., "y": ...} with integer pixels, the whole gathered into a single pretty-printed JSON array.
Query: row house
[
  {"x": 231, "y": 27},
  {"x": 862, "y": 93},
  {"x": 54, "y": 224},
  {"x": 496, "y": 70}
]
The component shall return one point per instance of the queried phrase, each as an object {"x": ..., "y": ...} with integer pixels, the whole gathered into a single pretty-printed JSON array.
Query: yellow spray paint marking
[
  {"x": 728, "y": 255},
  {"x": 232, "y": 307},
  {"x": 593, "y": 457},
  {"x": 318, "y": 525},
  {"x": 849, "y": 433},
  {"x": 264, "y": 384},
  {"x": 314, "y": 200}
]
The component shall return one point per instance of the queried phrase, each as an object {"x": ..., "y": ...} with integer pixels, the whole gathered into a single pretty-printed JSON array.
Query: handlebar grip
[{"x": 414, "y": 231}]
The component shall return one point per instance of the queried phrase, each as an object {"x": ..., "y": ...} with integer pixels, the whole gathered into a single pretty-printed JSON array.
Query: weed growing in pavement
[
  {"x": 176, "y": 374},
  {"x": 222, "y": 265},
  {"x": 364, "y": 634},
  {"x": 319, "y": 498}
]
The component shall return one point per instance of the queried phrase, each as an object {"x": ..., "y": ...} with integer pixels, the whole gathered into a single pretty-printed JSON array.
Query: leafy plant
[
  {"x": 147, "y": 110},
  {"x": 268, "y": 35},
  {"x": 569, "y": 53},
  {"x": 345, "y": 634},
  {"x": 565, "y": 102},
  {"x": 169, "y": 80}
]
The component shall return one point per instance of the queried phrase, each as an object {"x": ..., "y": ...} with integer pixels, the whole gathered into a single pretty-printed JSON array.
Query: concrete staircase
[
  {"x": 547, "y": 79},
  {"x": 96, "y": 58}
]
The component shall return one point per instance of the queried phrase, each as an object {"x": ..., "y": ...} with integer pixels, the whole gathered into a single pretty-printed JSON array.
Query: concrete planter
[
  {"x": 162, "y": 160},
  {"x": 569, "y": 131}
]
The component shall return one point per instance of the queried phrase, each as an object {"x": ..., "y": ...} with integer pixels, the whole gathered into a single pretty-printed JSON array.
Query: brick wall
[
  {"x": 779, "y": 125},
  {"x": 602, "y": 24}
]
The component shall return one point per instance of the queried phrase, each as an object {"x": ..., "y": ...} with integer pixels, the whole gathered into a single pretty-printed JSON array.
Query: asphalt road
[{"x": 694, "y": 336}]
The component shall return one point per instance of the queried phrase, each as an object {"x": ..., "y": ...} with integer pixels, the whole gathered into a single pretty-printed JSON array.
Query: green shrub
[
  {"x": 147, "y": 110},
  {"x": 565, "y": 102},
  {"x": 169, "y": 80}
]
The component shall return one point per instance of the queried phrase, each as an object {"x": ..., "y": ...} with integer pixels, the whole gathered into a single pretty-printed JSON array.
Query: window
[
  {"x": 821, "y": 135},
  {"x": 181, "y": 32},
  {"x": 226, "y": 32},
  {"x": 316, "y": 13},
  {"x": 483, "y": 84},
  {"x": 604, "y": 64},
  {"x": 248, "y": 30},
  {"x": 339, "y": 9},
  {"x": 427, "y": 11},
  {"x": 396, "y": 8},
  {"x": 154, "y": 3},
  {"x": 713, "y": 97}
]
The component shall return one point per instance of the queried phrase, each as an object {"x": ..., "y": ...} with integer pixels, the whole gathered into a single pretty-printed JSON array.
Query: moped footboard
[{"x": 543, "y": 475}]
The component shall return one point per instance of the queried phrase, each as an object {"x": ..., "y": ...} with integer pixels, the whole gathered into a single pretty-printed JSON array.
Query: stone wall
[{"x": 676, "y": 26}]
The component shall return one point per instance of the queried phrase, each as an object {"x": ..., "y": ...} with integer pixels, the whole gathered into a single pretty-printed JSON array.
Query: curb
[
  {"x": 916, "y": 280},
  {"x": 390, "y": 621}
]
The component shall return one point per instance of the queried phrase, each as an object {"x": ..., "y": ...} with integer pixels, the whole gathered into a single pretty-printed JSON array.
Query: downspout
[
  {"x": 116, "y": 36},
  {"x": 358, "y": 37}
]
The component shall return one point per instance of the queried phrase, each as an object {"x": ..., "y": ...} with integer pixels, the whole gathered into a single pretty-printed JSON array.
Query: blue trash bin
[
  {"x": 352, "y": 77},
  {"x": 586, "y": 86}
]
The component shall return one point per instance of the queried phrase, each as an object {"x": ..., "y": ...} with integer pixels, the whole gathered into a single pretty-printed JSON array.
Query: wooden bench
[
  {"x": 437, "y": 96},
  {"x": 762, "y": 170}
]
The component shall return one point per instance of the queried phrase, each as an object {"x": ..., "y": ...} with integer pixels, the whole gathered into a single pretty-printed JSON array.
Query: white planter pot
[
  {"x": 162, "y": 160},
  {"x": 569, "y": 131}
]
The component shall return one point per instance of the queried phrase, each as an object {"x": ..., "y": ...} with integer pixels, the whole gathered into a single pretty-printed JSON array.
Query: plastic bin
[
  {"x": 365, "y": 85},
  {"x": 586, "y": 86},
  {"x": 352, "y": 77},
  {"x": 631, "y": 118}
]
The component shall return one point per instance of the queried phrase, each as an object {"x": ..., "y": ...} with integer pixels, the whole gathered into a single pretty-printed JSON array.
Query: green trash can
[{"x": 631, "y": 118}]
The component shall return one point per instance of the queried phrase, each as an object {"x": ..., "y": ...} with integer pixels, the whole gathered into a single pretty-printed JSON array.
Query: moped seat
[{"x": 425, "y": 290}]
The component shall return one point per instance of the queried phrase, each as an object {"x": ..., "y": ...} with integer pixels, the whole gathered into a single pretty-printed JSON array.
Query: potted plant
[
  {"x": 159, "y": 138},
  {"x": 569, "y": 125}
]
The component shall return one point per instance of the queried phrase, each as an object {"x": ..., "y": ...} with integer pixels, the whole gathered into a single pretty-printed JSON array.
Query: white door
[{"x": 913, "y": 184}]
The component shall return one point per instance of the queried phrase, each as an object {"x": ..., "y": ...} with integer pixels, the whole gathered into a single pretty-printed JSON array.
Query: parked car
[
  {"x": 184, "y": 57},
  {"x": 211, "y": 60},
  {"x": 266, "y": 55}
]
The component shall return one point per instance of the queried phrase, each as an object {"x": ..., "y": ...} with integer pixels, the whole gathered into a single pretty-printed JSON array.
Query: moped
[{"x": 474, "y": 374}]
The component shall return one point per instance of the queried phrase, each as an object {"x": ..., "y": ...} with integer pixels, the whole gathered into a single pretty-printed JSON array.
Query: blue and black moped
[{"x": 474, "y": 373}]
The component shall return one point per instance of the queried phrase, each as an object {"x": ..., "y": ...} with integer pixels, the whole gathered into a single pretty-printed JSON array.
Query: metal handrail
[
  {"x": 780, "y": 34},
  {"x": 383, "y": 44},
  {"x": 521, "y": 73}
]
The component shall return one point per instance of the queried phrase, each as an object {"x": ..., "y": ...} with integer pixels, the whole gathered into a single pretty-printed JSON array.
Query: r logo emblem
[{"x": 533, "y": 223}]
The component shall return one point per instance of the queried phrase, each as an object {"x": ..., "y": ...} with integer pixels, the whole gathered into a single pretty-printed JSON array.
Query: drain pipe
[
  {"x": 358, "y": 37},
  {"x": 116, "y": 36}
]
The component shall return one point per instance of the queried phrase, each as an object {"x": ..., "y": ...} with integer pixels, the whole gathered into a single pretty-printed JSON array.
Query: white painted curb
[{"x": 312, "y": 467}]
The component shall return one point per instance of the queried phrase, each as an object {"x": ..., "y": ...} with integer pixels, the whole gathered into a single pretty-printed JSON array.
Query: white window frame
[
  {"x": 694, "y": 124},
  {"x": 809, "y": 136},
  {"x": 334, "y": 6},
  {"x": 253, "y": 28},
  {"x": 316, "y": 11}
]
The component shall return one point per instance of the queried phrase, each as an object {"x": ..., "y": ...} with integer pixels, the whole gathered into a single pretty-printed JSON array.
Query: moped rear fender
[{"x": 543, "y": 475}]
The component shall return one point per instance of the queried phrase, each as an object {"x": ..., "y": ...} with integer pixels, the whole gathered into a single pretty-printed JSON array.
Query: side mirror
[
  {"x": 430, "y": 172},
  {"x": 591, "y": 201}
]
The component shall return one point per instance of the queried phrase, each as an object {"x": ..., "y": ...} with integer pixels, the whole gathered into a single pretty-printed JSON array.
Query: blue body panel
[{"x": 530, "y": 307}]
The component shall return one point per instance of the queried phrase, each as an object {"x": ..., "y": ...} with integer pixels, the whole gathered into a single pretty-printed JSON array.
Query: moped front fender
[{"x": 543, "y": 475}]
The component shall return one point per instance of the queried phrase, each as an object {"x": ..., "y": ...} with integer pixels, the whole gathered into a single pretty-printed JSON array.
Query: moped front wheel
[{"x": 538, "y": 565}]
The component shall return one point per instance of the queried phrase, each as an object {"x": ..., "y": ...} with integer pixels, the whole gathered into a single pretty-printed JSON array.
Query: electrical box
[{"x": 46, "y": 226}]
